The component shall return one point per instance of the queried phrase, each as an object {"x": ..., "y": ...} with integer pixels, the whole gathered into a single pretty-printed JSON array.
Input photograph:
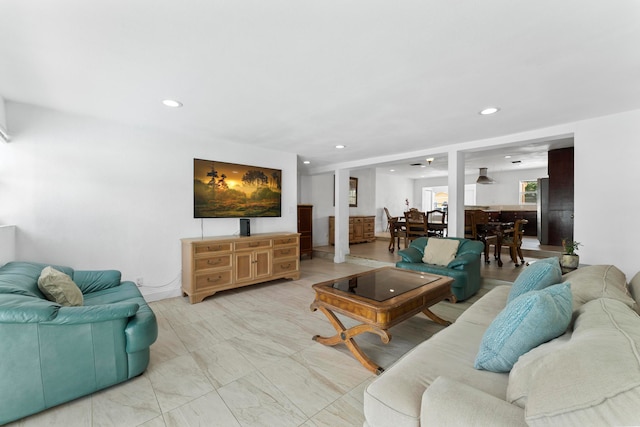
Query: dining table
[{"x": 398, "y": 229}]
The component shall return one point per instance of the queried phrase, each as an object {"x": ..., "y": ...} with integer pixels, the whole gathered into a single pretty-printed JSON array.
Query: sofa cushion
[
  {"x": 452, "y": 403},
  {"x": 93, "y": 281},
  {"x": 598, "y": 281},
  {"x": 58, "y": 286},
  {"x": 595, "y": 378},
  {"x": 520, "y": 375},
  {"x": 440, "y": 251},
  {"x": 526, "y": 322},
  {"x": 538, "y": 275}
]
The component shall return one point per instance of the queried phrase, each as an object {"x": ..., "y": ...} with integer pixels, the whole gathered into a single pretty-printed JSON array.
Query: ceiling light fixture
[
  {"x": 483, "y": 178},
  {"x": 429, "y": 160},
  {"x": 489, "y": 110},
  {"x": 172, "y": 103},
  {"x": 340, "y": 146},
  {"x": 307, "y": 162}
]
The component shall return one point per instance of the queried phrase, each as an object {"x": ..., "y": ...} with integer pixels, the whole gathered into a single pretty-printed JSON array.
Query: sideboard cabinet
[
  {"x": 213, "y": 264},
  {"x": 361, "y": 229}
]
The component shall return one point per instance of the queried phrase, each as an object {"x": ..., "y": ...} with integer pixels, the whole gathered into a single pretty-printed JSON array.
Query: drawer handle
[
  {"x": 285, "y": 266},
  {"x": 254, "y": 244},
  {"x": 216, "y": 262},
  {"x": 285, "y": 252},
  {"x": 214, "y": 248},
  {"x": 214, "y": 280}
]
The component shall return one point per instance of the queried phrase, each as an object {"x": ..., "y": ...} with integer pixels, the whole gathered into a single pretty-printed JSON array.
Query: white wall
[
  {"x": 606, "y": 198},
  {"x": 318, "y": 191},
  {"x": 98, "y": 195},
  {"x": 391, "y": 192},
  {"x": 7, "y": 243}
]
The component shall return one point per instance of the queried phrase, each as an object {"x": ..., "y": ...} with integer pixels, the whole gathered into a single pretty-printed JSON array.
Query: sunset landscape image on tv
[{"x": 229, "y": 190}]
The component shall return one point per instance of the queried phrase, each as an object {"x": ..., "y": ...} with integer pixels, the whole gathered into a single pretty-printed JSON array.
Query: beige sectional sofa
[{"x": 590, "y": 375}]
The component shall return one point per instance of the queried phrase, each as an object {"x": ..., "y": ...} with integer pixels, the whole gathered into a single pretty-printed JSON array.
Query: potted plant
[{"x": 570, "y": 259}]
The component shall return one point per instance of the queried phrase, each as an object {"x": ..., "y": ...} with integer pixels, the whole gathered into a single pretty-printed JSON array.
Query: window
[{"x": 528, "y": 192}]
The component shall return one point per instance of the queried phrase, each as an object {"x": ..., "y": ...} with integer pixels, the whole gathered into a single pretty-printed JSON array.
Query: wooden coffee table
[{"x": 379, "y": 299}]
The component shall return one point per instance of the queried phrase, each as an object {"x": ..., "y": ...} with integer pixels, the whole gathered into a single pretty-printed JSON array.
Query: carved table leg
[
  {"x": 431, "y": 315},
  {"x": 345, "y": 336}
]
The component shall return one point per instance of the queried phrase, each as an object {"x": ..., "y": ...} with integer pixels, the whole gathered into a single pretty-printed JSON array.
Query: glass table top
[{"x": 380, "y": 285}]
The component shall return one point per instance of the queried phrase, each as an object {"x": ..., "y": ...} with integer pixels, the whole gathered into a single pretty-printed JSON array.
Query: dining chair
[
  {"x": 469, "y": 225},
  {"x": 416, "y": 224},
  {"x": 436, "y": 220},
  {"x": 513, "y": 239},
  {"x": 485, "y": 233},
  {"x": 389, "y": 218}
]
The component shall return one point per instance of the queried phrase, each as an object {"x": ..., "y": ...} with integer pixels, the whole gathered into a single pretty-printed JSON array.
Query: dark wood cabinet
[
  {"x": 560, "y": 214},
  {"x": 305, "y": 228}
]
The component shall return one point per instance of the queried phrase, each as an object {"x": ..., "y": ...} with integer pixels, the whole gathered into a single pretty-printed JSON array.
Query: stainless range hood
[{"x": 483, "y": 178}]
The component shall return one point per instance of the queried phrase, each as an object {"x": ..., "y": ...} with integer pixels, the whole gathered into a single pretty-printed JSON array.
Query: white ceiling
[{"x": 301, "y": 76}]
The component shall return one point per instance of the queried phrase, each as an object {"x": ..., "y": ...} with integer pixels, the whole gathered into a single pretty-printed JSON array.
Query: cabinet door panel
[
  {"x": 243, "y": 266},
  {"x": 262, "y": 264}
]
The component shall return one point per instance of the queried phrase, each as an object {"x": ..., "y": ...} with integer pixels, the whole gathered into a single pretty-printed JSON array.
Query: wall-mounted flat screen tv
[{"x": 230, "y": 190}]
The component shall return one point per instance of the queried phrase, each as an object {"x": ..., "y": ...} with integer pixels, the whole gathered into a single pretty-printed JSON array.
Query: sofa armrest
[
  {"x": 451, "y": 403},
  {"x": 142, "y": 330},
  {"x": 92, "y": 281},
  {"x": 410, "y": 255},
  {"x": 462, "y": 260},
  {"x": 94, "y": 313}
]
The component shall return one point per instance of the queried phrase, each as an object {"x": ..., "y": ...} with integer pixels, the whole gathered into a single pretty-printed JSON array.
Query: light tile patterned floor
[{"x": 246, "y": 358}]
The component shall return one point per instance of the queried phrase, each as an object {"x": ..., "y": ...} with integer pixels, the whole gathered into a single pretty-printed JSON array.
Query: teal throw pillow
[
  {"x": 528, "y": 321},
  {"x": 538, "y": 275}
]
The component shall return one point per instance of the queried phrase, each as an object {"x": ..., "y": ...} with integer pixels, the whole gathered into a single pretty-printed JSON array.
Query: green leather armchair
[
  {"x": 50, "y": 354},
  {"x": 464, "y": 269}
]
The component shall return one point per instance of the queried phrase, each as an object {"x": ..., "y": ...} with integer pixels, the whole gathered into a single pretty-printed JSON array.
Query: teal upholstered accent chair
[
  {"x": 464, "y": 269},
  {"x": 50, "y": 354}
]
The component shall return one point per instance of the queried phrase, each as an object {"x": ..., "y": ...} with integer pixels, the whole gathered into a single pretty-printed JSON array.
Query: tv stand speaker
[{"x": 245, "y": 227}]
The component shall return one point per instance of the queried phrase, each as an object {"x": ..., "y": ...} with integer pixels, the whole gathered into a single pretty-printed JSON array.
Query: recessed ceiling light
[
  {"x": 392, "y": 170},
  {"x": 306, "y": 162},
  {"x": 489, "y": 110},
  {"x": 172, "y": 103},
  {"x": 340, "y": 146},
  {"x": 507, "y": 157}
]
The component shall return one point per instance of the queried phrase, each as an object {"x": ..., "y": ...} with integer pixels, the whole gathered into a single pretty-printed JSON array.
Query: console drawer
[
  {"x": 213, "y": 279},
  {"x": 285, "y": 241},
  {"x": 253, "y": 244},
  {"x": 285, "y": 252},
  {"x": 202, "y": 248},
  {"x": 213, "y": 262},
  {"x": 285, "y": 266}
]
